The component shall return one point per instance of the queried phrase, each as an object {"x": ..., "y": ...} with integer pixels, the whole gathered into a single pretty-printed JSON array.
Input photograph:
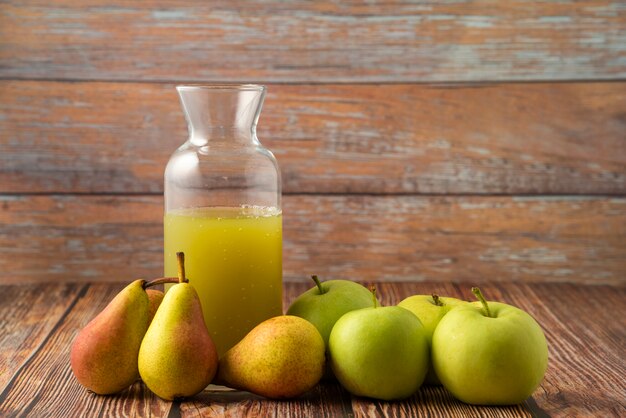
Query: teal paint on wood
[
  {"x": 552, "y": 138},
  {"x": 301, "y": 41}
]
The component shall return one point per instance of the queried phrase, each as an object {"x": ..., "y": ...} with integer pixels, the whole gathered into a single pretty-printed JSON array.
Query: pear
[
  {"x": 177, "y": 357},
  {"x": 155, "y": 297},
  {"x": 282, "y": 357},
  {"x": 104, "y": 354}
]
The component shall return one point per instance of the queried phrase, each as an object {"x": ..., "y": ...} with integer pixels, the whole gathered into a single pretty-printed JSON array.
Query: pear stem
[
  {"x": 476, "y": 291},
  {"x": 180, "y": 256},
  {"x": 318, "y": 283},
  {"x": 373, "y": 290},
  {"x": 161, "y": 280},
  {"x": 436, "y": 299}
]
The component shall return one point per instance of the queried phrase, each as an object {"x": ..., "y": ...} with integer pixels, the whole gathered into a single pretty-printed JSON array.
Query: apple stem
[
  {"x": 180, "y": 256},
  {"x": 373, "y": 290},
  {"x": 476, "y": 291},
  {"x": 161, "y": 280},
  {"x": 318, "y": 283},
  {"x": 436, "y": 299}
]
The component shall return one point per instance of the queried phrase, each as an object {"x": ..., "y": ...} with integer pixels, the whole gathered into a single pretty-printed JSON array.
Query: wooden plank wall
[{"x": 464, "y": 140}]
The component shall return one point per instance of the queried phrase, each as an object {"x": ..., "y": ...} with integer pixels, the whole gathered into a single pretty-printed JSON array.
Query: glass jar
[{"x": 223, "y": 210}]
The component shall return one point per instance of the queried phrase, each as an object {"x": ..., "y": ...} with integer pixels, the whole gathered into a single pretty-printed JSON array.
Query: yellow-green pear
[
  {"x": 282, "y": 357},
  {"x": 104, "y": 354},
  {"x": 177, "y": 358}
]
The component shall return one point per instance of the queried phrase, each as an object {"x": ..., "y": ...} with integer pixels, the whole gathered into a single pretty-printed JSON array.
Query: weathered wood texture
[
  {"x": 355, "y": 160},
  {"x": 584, "y": 376},
  {"x": 29, "y": 317},
  {"x": 313, "y": 41},
  {"x": 43, "y": 384},
  {"x": 114, "y": 238},
  {"x": 508, "y": 138}
]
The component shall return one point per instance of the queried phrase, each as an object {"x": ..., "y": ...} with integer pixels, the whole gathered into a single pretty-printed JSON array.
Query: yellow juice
[{"x": 233, "y": 258}]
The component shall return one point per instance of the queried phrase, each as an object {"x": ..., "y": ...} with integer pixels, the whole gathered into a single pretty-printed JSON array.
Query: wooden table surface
[{"x": 585, "y": 326}]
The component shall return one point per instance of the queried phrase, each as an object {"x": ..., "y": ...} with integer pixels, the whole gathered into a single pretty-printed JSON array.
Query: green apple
[
  {"x": 379, "y": 352},
  {"x": 430, "y": 309},
  {"x": 327, "y": 301},
  {"x": 489, "y": 353}
]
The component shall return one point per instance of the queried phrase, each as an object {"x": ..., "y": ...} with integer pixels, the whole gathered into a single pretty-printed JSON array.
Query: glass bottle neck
[
  {"x": 222, "y": 114},
  {"x": 222, "y": 137}
]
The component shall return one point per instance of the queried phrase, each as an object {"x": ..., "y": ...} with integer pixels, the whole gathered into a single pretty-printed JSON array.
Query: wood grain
[
  {"x": 45, "y": 383},
  {"x": 431, "y": 401},
  {"x": 586, "y": 329},
  {"x": 313, "y": 41},
  {"x": 113, "y": 238},
  {"x": 584, "y": 376},
  {"x": 38, "y": 310},
  {"x": 494, "y": 139},
  {"x": 325, "y": 400}
]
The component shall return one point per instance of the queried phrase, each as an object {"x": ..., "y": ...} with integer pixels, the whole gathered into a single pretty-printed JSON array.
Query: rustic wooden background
[{"x": 454, "y": 140}]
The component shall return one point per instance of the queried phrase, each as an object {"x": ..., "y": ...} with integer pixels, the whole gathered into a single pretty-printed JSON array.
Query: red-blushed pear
[
  {"x": 489, "y": 353},
  {"x": 379, "y": 352},
  {"x": 155, "y": 297},
  {"x": 430, "y": 309},
  {"x": 177, "y": 358},
  {"x": 104, "y": 354}
]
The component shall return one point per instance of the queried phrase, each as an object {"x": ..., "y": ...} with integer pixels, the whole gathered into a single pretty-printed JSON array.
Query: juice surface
[{"x": 233, "y": 258}]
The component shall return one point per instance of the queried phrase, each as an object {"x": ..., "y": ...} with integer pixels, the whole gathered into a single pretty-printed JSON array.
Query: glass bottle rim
[{"x": 224, "y": 87}]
